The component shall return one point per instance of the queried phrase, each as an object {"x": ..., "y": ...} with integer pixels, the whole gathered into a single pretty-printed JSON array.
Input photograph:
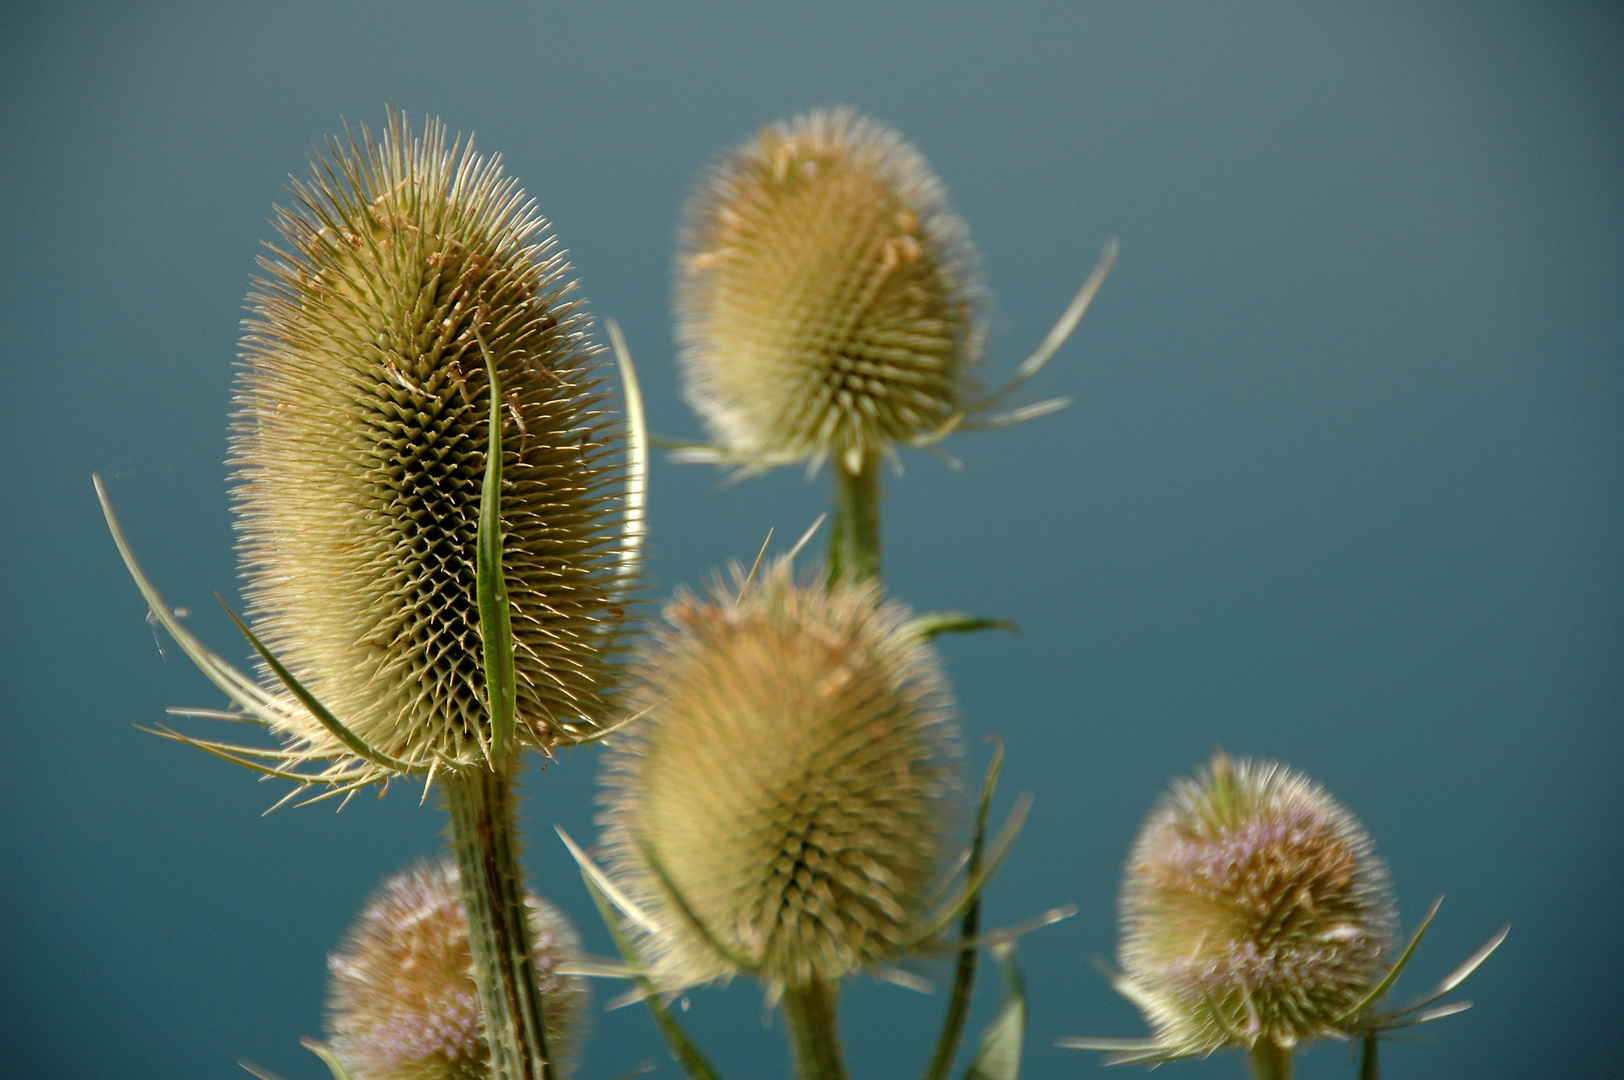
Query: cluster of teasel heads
[{"x": 440, "y": 523}]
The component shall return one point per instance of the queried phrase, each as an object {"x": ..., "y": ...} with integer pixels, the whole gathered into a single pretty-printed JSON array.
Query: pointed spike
[
  {"x": 600, "y": 881},
  {"x": 757, "y": 564},
  {"x": 806, "y": 537}
]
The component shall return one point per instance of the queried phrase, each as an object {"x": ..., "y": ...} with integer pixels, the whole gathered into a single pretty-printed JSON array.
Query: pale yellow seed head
[
  {"x": 402, "y": 1004},
  {"x": 827, "y": 299},
  {"x": 1252, "y": 908},
  {"x": 789, "y": 779},
  {"x": 359, "y": 449}
]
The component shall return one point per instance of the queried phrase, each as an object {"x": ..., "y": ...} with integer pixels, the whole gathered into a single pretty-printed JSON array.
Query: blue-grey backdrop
[{"x": 1341, "y": 483}]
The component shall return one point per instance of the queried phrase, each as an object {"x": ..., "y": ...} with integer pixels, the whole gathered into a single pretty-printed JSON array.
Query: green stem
[
  {"x": 485, "y": 838},
  {"x": 1369, "y": 1066},
  {"x": 964, "y": 979},
  {"x": 1270, "y": 1060},
  {"x": 813, "y": 1015},
  {"x": 854, "y": 545}
]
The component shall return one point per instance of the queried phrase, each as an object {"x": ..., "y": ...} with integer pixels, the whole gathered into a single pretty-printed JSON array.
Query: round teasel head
[
  {"x": 781, "y": 808},
  {"x": 827, "y": 299},
  {"x": 359, "y": 451},
  {"x": 402, "y": 1004},
  {"x": 1253, "y": 910}
]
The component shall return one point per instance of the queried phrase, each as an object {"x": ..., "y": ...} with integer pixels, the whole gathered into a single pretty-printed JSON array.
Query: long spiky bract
[{"x": 409, "y": 269}]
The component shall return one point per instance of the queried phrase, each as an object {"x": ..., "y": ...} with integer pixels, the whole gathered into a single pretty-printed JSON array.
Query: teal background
[{"x": 1341, "y": 483}]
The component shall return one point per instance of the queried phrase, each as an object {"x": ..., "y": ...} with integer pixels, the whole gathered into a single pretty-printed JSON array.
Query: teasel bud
[
  {"x": 360, "y": 449},
  {"x": 781, "y": 808},
  {"x": 402, "y": 1004},
  {"x": 1254, "y": 914}
]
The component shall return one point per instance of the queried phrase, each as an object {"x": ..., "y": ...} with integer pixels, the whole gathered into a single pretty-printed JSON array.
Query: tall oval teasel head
[
  {"x": 781, "y": 808},
  {"x": 360, "y": 449},
  {"x": 827, "y": 297},
  {"x": 402, "y": 1004}
]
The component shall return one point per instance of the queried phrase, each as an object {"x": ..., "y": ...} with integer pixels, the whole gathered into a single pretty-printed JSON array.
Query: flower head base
[
  {"x": 402, "y": 1003},
  {"x": 780, "y": 810},
  {"x": 826, "y": 297},
  {"x": 1253, "y": 909},
  {"x": 360, "y": 449}
]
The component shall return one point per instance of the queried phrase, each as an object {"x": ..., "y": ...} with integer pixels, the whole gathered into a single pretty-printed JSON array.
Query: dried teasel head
[
  {"x": 1253, "y": 911},
  {"x": 360, "y": 446},
  {"x": 827, "y": 297},
  {"x": 781, "y": 809},
  {"x": 402, "y": 1004}
]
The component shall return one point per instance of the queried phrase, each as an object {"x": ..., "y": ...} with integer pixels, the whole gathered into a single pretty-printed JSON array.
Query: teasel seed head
[
  {"x": 359, "y": 450},
  {"x": 781, "y": 808},
  {"x": 1253, "y": 909},
  {"x": 827, "y": 298},
  {"x": 402, "y": 1004}
]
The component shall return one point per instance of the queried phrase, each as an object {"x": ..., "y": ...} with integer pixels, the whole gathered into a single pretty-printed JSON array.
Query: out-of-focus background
[{"x": 1341, "y": 483}]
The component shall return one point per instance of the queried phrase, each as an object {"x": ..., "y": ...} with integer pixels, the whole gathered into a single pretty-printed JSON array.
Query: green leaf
[
  {"x": 933, "y": 623},
  {"x": 964, "y": 978},
  {"x": 495, "y": 620},
  {"x": 1000, "y": 1057}
]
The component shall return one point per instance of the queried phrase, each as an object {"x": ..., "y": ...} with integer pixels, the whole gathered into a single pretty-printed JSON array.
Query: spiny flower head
[
  {"x": 1253, "y": 909},
  {"x": 781, "y": 808},
  {"x": 826, "y": 295},
  {"x": 360, "y": 444},
  {"x": 402, "y": 1004}
]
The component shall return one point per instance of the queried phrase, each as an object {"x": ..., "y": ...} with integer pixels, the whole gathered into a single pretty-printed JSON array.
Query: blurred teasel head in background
[
  {"x": 360, "y": 446},
  {"x": 1253, "y": 909},
  {"x": 402, "y": 1004},
  {"x": 781, "y": 809},
  {"x": 827, "y": 297}
]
